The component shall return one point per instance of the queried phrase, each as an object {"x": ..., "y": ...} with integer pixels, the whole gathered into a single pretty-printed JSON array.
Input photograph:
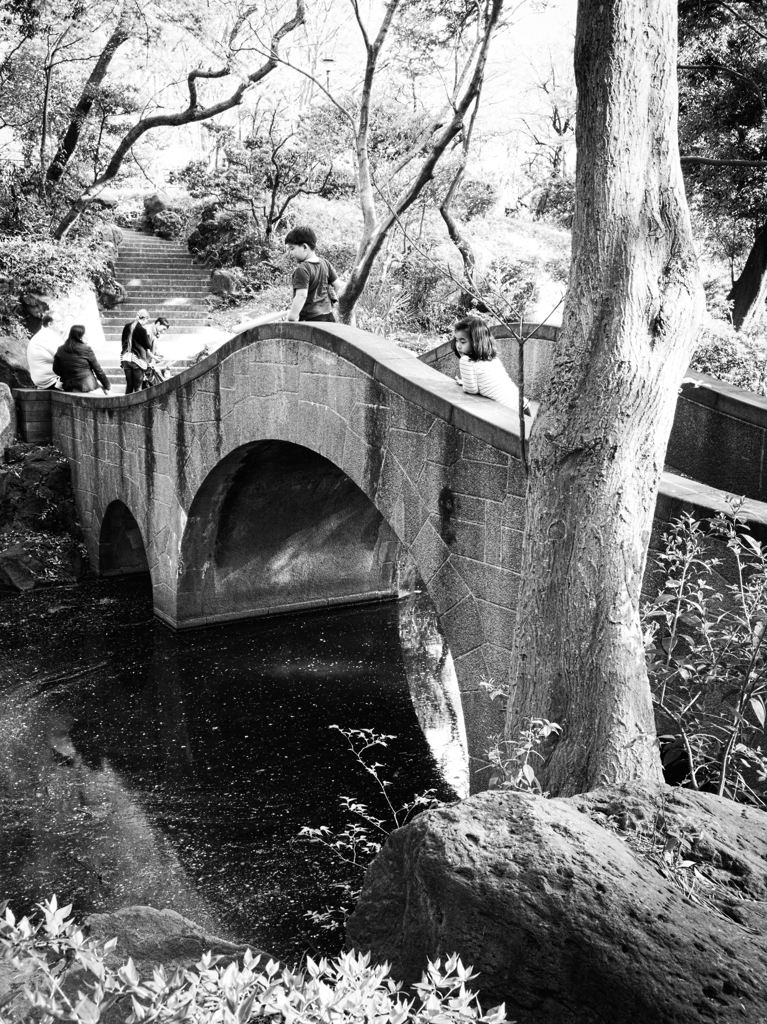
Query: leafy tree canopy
[{"x": 723, "y": 116}]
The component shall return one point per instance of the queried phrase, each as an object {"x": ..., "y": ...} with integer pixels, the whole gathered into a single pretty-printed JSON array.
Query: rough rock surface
[
  {"x": 224, "y": 282},
  {"x": 7, "y": 418},
  {"x": 155, "y": 202},
  {"x": 582, "y": 910},
  {"x": 13, "y": 357},
  {"x": 40, "y": 536},
  {"x": 35, "y": 305},
  {"x": 112, "y": 294},
  {"x": 153, "y": 937}
]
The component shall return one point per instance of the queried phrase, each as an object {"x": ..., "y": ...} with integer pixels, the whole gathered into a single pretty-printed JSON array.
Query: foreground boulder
[
  {"x": 7, "y": 418},
  {"x": 13, "y": 356},
  {"x": 40, "y": 536},
  {"x": 153, "y": 937},
  {"x": 618, "y": 906}
]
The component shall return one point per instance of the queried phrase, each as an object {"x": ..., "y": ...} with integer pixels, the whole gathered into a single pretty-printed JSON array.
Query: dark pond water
[{"x": 142, "y": 766}]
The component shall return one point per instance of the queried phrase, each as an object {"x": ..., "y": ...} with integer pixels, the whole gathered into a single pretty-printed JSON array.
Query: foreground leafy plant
[
  {"x": 63, "y": 976},
  {"x": 706, "y": 656},
  {"x": 511, "y": 761},
  {"x": 360, "y": 840}
]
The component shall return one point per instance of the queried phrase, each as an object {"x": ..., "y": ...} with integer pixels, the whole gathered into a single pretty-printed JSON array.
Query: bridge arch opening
[
  {"x": 277, "y": 528},
  {"x": 121, "y": 546}
]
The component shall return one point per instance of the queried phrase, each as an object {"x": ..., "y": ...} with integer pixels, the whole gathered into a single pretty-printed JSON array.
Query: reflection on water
[
  {"x": 142, "y": 766},
  {"x": 434, "y": 690}
]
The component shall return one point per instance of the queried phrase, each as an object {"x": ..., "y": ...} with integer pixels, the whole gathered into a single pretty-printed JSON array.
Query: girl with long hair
[
  {"x": 75, "y": 362},
  {"x": 481, "y": 372}
]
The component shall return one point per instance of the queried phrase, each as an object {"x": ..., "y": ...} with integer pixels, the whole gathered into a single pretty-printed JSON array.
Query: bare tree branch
[
  {"x": 714, "y": 162},
  {"x": 374, "y": 235},
  {"x": 66, "y": 148},
  {"x": 726, "y": 70},
  {"x": 191, "y": 114},
  {"x": 744, "y": 21}
]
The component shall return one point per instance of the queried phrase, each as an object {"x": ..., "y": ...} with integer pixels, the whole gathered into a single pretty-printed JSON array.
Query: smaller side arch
[{"x": 121, "y": 545}]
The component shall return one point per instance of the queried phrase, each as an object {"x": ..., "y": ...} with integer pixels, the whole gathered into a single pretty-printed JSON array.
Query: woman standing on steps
[
  {"x": 76, "y": 363},
  {"x": 136, "y": 346}
]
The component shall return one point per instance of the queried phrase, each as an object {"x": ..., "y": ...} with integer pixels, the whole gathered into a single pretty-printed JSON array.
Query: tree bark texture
[
  {"x": 749, "y": 291},
  {"x": 598, "y": 445},
  {"x": 459, "y": 240},
  {"x": 122, "y": 32}
]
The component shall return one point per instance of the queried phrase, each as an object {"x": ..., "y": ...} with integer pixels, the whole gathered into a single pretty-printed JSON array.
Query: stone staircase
[{"x": 160, "y": 277}]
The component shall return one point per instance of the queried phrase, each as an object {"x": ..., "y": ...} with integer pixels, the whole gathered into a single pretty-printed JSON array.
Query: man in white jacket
[{"x": 40, "y": 352}]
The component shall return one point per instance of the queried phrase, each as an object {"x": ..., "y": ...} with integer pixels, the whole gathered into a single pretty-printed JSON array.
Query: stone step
[
  {"x": 180, "y": 252},
  {"x": 162, "y": 296},
  {"x": 165, "y": 304},
  {"x": 153, "y": 286},
  {"x": 180, "y": 329},
  {"x": 158, "y": 281},
  {"x": 115, "y": 329},
  {"x": 114, "y": 369},
  {"x": 167, "y": 298},
  {"x": 172, "y": 315},
  {"x": 155, "y": 255},
  {"x": 183, "y": 303},
  {"x": 116, "y": 326},
  {"x": 162, "y": 267},
  {"x": 157, "y": 310},
  {"x": 182, "y": 266},
  {"x": 163, "y": 279},
  {"x": 160, "y": 276},
  {"x": 185, "y": 266},
  {"x": 149, "y": 245},
  {"x": 198, "y": 280},
  {"x": 158, "y": 307}
]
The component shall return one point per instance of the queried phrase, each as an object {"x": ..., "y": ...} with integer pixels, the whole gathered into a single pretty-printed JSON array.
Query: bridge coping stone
[{"x": 401, "y": 372}]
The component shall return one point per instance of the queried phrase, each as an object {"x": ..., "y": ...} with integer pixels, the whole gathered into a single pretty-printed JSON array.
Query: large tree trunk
[
  {"x": 749, "y": 291},
  {"x": 598, "y": 446},
  {"x": 80, "y": 114}
]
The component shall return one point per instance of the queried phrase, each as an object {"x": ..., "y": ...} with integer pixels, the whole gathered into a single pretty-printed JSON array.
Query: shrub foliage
[
  {"x": 61, "y": 975},
  {"x": 706, "y": 655}
]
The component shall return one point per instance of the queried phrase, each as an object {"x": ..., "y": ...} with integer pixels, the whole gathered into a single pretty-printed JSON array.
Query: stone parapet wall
[
  {"x": 33, "y": 415},
  {"x": 719, "y": 436},
  {"x": 539, "y": 355}
]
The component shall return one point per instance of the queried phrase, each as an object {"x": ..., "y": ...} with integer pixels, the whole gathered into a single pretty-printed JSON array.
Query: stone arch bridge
[{"x": 298, "y": 467}]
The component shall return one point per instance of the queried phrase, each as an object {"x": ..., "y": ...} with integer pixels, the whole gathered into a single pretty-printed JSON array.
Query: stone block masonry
[{"x": 301, "y": 466}]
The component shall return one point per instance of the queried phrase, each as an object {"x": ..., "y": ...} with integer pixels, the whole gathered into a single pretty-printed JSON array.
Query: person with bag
[
  {"x": 158, "y": 370},
  {"x": 313, "y": 279},
  {"x": 76, "y": 363},
  {"x": 135, "y": 349}
]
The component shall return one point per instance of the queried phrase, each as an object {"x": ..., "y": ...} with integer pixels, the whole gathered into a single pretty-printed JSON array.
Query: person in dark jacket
[
  {"x": 136, "y": 349},
  {"x": 77, "y": 365}
]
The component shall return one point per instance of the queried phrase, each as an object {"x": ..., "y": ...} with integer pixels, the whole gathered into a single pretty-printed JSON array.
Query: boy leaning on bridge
[{"x": 313, "y": 279}]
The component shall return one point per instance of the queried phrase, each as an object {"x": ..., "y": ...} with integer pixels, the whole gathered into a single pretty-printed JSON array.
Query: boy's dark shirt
[{"x": 315, "y": 277}]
